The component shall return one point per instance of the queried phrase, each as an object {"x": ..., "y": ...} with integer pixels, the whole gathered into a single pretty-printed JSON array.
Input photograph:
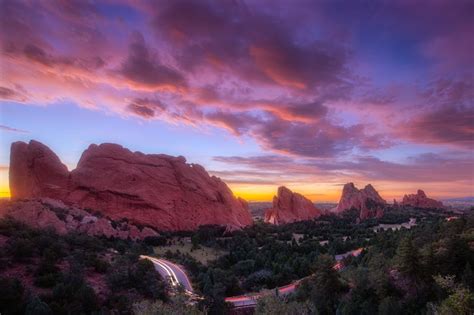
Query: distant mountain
[
  {"x": 366, "y": 200},
  {"x": 469, "y": 199},
  {"x": 460, "y": 203},
  {"x": 290, "y": 207}
]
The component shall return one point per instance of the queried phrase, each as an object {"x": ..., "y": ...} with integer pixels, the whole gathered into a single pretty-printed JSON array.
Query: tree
[
  {"x": 468, "y": 277},
  {"x": 37, "y": 307},
  {"x": 408, "y": 259},
  {"x": 11, "y": 296},
  {"x": 460, "y": 300},
  {"x": 275, "y": 305},
  {"x": 177, "y": 306},
  {"x": 324, "y": 288},
  {"x": 389, "y": 306}
]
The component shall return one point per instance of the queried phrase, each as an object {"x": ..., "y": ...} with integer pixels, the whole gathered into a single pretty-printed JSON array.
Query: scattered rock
[{"x": 40, "y": 214}]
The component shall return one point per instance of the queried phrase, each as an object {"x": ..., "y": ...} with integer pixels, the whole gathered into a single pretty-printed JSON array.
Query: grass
[{"x": 202, "y": 254}]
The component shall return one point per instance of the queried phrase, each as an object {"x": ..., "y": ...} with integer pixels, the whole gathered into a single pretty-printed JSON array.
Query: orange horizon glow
[{"x": 316, "y": 192}]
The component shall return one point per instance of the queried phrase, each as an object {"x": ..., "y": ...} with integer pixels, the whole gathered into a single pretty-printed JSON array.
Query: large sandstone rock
[
  {"x": 367, "y": 201},
  {"x": 47, "y": 213},
  {"x": 420, "y": 200},
  {"x": 156, "y": 190},
  {"x": 290, "y": 207}
]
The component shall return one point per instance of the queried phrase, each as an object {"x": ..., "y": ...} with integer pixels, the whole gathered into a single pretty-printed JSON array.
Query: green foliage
[
  {"x": 408, "y": 258},
  {"x": 460, "y": 300},
  {"x": 73, "y": 295},
  {"x": 177, "y": 306},
  {"x": 390, "y": 306},
  {"x": 11, "y": 296},
  {"x": 275, "y": 305},
  {"x": 324, "y": 288},
  {"x": 139, "y": 275},
  {"x": 47, "y": 274},
  {"x": 37, "y": 307}
]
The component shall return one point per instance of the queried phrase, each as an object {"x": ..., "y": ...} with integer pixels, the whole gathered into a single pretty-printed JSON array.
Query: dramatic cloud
[
  {"x": 146, "y": 108},
  {"x": 143, "y": 68},
  {"x": 319, "y": 81},
  {"x": 449, "y": 125},
  {"x": 418, "y": 168}
]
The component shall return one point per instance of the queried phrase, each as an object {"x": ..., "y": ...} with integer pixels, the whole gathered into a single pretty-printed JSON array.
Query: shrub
[{"x": 11, "y": 296}]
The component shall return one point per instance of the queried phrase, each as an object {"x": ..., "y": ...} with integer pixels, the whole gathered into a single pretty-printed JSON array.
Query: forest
[{"x": 423, "y": 270}]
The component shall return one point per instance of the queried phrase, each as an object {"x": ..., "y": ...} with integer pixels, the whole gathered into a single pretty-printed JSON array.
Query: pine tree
[
  {"x": 408, "y": 259},
  {"x": 468, "y": 277}
]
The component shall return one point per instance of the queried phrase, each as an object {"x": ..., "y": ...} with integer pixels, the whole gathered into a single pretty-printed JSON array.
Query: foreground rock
[
  {"x": 367, "y": 201},
  {"x": 155, "y": 190},
  {"x": 420, "y": 200},
  {"x": 53, "y": 214},
  {"x": 290, "y": 207}
]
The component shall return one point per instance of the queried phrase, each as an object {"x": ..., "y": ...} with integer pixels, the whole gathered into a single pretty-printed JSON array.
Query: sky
[{"x": 306, "y": 94}]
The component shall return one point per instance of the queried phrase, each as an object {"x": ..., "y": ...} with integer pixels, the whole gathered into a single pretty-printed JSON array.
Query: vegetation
[
  {"x": 423, "y": 270},
  {"x": 395, "y": 274},
  {"x": 65, "y": 271}
]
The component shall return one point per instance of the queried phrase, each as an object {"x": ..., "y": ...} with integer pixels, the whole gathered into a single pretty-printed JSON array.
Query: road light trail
[
  {"x": 176, "y": 274},
  {"x": 179, "y": 277}
]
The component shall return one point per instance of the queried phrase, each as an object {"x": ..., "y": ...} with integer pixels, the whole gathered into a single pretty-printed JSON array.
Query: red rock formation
[
  {"x": 420, "y": 200},
  {"x": 290, "y": 207},
  {"x": 156, "y": 190},
  {"x": 367, "y": 201},
  {"x": 48, "y": 213}
]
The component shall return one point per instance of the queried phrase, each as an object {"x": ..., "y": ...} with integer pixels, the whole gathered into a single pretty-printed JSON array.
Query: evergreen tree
[
  {"x": 408, "y": 259},
  {"x": 325, "y": 287},
  {"x": 37, "y": 307},
  {"x": 468, "y": 277}
]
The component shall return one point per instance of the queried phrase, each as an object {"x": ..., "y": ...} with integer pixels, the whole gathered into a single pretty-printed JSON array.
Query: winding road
[
  {"x": 177, "y": 277},
  {"x": 171, "y": 271}
]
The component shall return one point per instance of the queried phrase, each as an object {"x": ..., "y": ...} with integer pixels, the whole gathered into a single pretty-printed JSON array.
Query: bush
[
  {"x": 37, "y": 307},
  {"x": 21, "y": 249},
  {"x": 47, "y": 275},
  {"x": 11, "y": 296}
]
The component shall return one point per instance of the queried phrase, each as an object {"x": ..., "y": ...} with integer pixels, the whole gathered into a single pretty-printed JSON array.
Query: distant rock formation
[
  {"x": 53, "y": 214},
  {"x": 290, "y": 207},
  {"x": 367, "y": 201},
  {"x": 155, "y": 190},
  {"x": 420, "y": 200}
]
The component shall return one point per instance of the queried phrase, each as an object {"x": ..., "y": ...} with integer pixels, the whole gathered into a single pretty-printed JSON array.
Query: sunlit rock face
[
  {"x": 290, "y": 207},
  {"x": 155, "y": 190},
  {"x": 367, "y": 201},
  {"x": 420, "y": 200}
]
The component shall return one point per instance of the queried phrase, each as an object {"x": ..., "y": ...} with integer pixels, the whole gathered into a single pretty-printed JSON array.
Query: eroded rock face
[
  {"x": 420, "y": 200},
  {"x": 156, "y": 190},
  {"x": 290, "y": 207},
  {"x": 367, "y": 201},
  {"x": 48, "y": 213}
]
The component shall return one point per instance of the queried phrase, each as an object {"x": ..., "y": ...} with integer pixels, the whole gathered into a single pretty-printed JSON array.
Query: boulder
[
  {"x": 367, "y": 201},
  {"x": 290, "y": 207},
  {"x": 44, "y": 214},
  {"x": 156, "y": 190},
  {"x": 420, "y": 200}
]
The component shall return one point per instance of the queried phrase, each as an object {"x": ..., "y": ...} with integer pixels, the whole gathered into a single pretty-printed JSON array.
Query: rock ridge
[
  {"x": 157, "y": 190},
  {"x": 290, "y": 207}
]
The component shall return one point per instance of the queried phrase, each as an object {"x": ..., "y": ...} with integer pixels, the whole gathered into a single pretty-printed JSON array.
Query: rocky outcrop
[
  {"x": 156, "y": 190},
  {"x": 53, "y": 214},
  {"x": 367, "y": 201},
  {"x": 290, "y": 207},
  {"x": 420, "y": 200}
]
